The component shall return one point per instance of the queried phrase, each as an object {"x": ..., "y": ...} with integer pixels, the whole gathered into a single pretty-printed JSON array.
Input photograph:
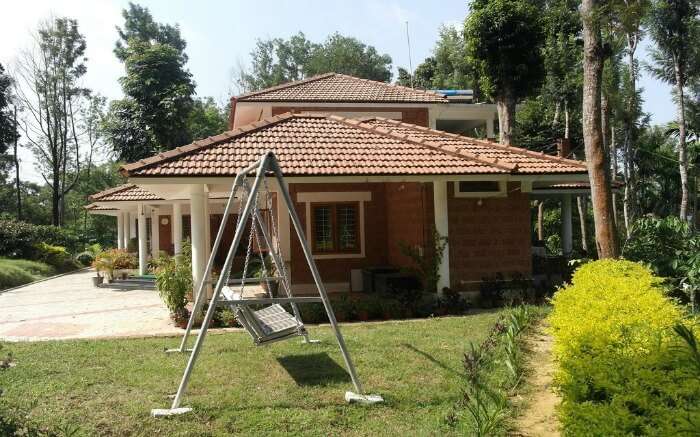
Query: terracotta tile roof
[
  {"x": 125, "y": 192},
  {"x": 526, "y": 161},
  {"x": 96, "y": 207},
  {"x": 309, "y": 145},
  {"x": 340, "y": 88}
]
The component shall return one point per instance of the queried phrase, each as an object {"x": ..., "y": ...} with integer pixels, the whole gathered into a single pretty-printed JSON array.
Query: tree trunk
[
  {"x": 596, "y": 158},
  {"x": 613, "y": 170},
  {"x": 18, "y": 184},
  {"x": 605, "y": 120},
  {"x": 505, "y": 104},
  {"x": 682, "y": 146},
  {"x": 555, "y": 119},
  {"x": 566, "y": 119},
  {"x": 540, "y": 220},
  {"x": 582, "y": 207}
]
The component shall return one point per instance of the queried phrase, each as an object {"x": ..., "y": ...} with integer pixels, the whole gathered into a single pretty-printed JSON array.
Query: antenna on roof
[{"x": 410, "y": 63}]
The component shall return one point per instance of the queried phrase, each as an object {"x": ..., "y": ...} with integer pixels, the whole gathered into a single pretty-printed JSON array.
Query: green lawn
[
  {"x": 15, "y": 272},
  {"x": 108, "y": 387}
]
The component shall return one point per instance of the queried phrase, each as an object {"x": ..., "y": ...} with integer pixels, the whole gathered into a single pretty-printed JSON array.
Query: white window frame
[
  {"x": 360, "y": 197},
  {"x": 502, "y": 190}
]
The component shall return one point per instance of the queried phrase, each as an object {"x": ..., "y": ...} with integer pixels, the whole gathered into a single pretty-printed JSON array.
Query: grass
[
  {"x": 14, "y": 272},
  {"x": 107, "y": 387}
]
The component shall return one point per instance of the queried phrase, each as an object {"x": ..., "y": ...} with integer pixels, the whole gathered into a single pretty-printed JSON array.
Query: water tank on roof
[{"x": 457, "y": 95}]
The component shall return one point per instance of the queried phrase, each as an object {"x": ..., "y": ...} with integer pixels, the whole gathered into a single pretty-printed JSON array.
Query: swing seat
[{"x": 270, "y": 324}]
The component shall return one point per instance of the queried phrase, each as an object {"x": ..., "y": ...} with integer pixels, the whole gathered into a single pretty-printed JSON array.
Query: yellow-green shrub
[
  {"x": 611, "y": 303},
  {"x": 616, "y": 353}
]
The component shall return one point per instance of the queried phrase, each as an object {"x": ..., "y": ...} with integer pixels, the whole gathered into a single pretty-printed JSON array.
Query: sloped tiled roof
[
  {"x": 340, "y": 88},
  {"x": 125, "y": 192},
  {"x": 527, "y": 161},
  {"x": 96, "y": 207},
  {"x": 310, "y": 145}
]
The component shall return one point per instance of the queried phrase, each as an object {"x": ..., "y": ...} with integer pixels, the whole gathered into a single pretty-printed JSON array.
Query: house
[{"x": 367, "y": 173}]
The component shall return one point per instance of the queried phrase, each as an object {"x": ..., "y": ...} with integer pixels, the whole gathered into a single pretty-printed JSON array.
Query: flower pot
[{"x": 97, "y": 281}]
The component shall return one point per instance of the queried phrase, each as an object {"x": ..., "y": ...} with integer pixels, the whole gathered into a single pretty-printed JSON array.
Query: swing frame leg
[
  {"x": 175, "y": 408},
  {"x": 294, "y": 217},
  {"x": 198, "y": 300}
]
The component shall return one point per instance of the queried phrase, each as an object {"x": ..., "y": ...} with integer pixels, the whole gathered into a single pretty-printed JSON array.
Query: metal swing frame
[{"x": 266, "y": 164}]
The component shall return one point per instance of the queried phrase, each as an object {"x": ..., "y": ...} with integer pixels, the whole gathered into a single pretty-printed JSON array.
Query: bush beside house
[
  {"x": 623, "y": 370},
  {"x": 32, "y": 252}
]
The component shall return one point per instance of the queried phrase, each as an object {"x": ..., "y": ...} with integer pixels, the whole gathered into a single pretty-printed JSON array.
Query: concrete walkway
[{"x": 71, "y": 307}]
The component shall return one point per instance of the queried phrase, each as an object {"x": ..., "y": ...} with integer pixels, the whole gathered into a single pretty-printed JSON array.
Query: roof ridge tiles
[
  {"x": 439, "y": 98},
  {"x": 108, "y": 191},
  {"x": 204, "y": 143},
  {"x": 424, "y": 142},
  {"x": 285, "y": 85},
  {"x": 511, "y": 148}
]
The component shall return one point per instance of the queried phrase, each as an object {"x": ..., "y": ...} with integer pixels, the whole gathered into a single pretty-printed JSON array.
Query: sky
[{"x": 220, "y": 34}]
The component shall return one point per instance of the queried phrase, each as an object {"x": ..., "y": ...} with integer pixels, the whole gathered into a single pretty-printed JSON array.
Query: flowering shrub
[{"x": 617, "y": 353}]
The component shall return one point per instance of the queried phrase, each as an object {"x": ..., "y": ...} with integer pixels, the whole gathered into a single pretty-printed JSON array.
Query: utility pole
[{"x": 410, "y": 62}]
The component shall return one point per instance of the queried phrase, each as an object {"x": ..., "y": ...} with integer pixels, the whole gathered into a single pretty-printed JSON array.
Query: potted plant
[
  {"x": 174, "y": 282},
  {"x": 104, "y": 263},
  {"x": 97, "y": 279},
  {"x": 362, "y": 307}
]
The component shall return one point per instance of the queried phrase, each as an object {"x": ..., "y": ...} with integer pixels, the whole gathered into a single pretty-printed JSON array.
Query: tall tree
[
  {"x": 158, "y": 88},
  {"x": 8, "y": 132},
  {"x": 206, "y": 119},
  {"x": 448, "y": 67},
  {"x": 278, "y": 60},
  {"x": 50, "y": 93},
  {"x": 628, "y": 17},
  {"x": 596, "y": 159},
  {"x": 504, "y": 40},
  {"x": 675, "y": 30}
]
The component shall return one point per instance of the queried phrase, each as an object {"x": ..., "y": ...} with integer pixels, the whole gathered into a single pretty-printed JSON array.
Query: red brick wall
[
  {"x": 417, "y": 116},
  {"x": 338, "y": 270},
  {"x": 409, "y": 215},
  {"x": 489, "y": 238}
]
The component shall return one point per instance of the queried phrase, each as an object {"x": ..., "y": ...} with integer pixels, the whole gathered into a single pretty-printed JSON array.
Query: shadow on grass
[
  {"x": 431, "y": 359},
  {"x": 313, "y": 370}
]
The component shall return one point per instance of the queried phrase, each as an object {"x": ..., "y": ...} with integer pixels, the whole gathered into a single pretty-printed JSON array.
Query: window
[
  {"x": 480, "y": 189},
  {"x": 335, "y": 227}
]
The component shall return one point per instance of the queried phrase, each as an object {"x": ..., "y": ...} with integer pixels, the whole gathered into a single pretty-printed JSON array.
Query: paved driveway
[{"x": 70, "y": 307}]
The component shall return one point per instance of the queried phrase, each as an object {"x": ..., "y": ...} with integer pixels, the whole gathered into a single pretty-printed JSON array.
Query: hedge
[
  {"x": 621, "y": 369},
  {"x": 20, "y": 239}
]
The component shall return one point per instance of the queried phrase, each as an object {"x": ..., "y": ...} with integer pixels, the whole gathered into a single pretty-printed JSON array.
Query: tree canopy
[
  {"x": 278, "y": 60},
  {"x": 158, "y": 88},
  {"x": 504, "y": 40}
]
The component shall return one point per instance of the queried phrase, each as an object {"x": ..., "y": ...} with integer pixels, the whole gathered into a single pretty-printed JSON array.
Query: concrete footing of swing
[
  {"x": 354, "y": 398},
  {"x": 165, "y": 412},
  {"x": 176, "y": 350}
]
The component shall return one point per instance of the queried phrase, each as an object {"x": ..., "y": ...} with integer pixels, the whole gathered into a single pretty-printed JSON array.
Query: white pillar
[
  {"x": 143, "y": 237},
  {"x": 566, "y": 228},
  {"x": 489, "y": 129},
  {"x": 120, "y": 230},
  {"x": 127, "y": 229},
  {"x": 177, "y": 228},
  {"x": 283, "y": 227},
  {"x": 440, "y": 206},
  {"x": 198, "y": 226},
  {"x": 132, "y": 224},
  {"x": 155, "y": 233}
]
